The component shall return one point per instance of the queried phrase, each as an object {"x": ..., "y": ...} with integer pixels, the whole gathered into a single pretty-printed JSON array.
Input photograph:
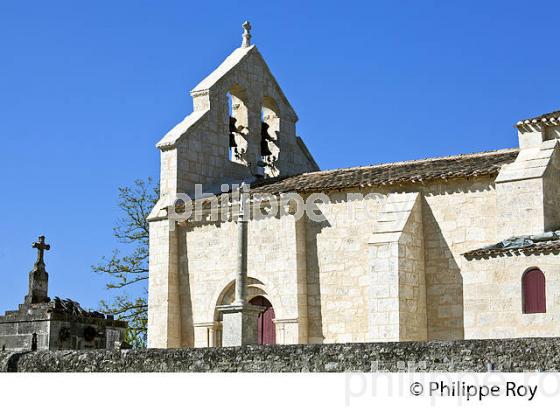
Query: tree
[{"x": 128, "y": 270}]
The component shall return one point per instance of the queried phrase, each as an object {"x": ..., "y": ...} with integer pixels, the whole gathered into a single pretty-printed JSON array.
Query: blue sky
[{"x": 88, "y": 88}]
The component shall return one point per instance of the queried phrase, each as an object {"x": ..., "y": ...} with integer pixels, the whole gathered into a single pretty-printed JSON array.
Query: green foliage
[{"x": 129, "y": 271}]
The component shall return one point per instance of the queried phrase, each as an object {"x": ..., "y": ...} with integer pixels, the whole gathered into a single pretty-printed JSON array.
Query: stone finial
[
  {"x": 38, "y": 277},
  {"x": 41, "y": 247},
  {"x": 246, "y": 35}
]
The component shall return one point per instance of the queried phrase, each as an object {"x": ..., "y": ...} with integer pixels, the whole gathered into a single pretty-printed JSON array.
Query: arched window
[
  {"x": 534, "y": 291},
  {"x": 238, "y": 122},
  {"x": 270, "y": 127}
]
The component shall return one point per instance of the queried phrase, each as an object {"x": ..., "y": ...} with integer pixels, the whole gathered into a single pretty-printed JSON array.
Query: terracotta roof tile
[
  {"x": 551, "y": 116},
  {"x": 417, "y": 171}
]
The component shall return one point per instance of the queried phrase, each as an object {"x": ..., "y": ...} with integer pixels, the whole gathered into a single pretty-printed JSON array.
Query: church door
[{"x": 266, "y": 327}]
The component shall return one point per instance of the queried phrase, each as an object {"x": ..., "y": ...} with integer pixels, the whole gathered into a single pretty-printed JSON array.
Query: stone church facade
[{"x": 459, "y": 247}]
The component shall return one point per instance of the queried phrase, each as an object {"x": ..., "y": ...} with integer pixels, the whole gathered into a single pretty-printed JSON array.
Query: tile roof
[
  {"x": 416, "y": 171},
  {"x": 548, "y": 242},
  {"x": 553, "y": 117}
]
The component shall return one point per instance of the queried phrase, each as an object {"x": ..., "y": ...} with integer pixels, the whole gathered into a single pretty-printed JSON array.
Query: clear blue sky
[{"x": 88, "y": 88}]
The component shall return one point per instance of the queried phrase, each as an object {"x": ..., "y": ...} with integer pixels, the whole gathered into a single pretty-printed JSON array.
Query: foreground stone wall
[{"x": 507, "y": 355}]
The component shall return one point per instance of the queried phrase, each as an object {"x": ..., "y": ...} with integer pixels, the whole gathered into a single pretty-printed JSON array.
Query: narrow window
[
  {"x": 270, "y": 127},
  {"x": 534, "y": 291},
  {"x": 237, "y": 125}
]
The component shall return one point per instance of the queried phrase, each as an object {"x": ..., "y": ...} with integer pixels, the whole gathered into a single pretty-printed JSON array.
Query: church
[{"x": 449, "y": 248}]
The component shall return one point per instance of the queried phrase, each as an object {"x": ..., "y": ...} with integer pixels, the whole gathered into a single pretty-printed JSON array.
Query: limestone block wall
[
  {"x": 384, "y": 303},
  {"x": 528, "y": 192},
  {"x": 520, "y": 208},
  {"x": 458, "y": 216},
  {"x": 338, "y": 278},
  {"x": 397, "y": 298},
  {"x": 412, "y": 282},
  {"x": 196, "y": 151},
  {"x": 276, "y": 270},
  {"x": 493, "y": 297},
  {"x": 164, "y": 317},
  {"x": 317, "y": 274},
  {"x": 551, "y": 189}
]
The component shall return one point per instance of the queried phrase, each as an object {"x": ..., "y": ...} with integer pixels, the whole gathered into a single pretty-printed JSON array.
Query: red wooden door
[
  {"x": 534, "y": 292},
  {"x": 266, "y": 329}
]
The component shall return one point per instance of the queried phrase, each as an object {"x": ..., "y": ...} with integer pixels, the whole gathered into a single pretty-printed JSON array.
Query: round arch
[
  {"x": 533, "y": 291},
  {"x": 224, "y": 295}
]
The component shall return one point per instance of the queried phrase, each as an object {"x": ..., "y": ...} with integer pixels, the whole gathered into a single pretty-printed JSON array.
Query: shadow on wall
[
  {"x": 314, "y": 313},
  {"x": 444, "y": 283},
  {"x": 185, "y": 300}
]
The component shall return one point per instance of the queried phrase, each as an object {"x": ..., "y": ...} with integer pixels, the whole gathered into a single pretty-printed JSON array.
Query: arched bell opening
[
  {"x": 270, "y": 129},
  {"x": 238, "y": 124}
]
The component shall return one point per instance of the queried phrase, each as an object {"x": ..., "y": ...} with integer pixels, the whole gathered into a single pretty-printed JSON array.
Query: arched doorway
[{"x": 266, "y": 328}]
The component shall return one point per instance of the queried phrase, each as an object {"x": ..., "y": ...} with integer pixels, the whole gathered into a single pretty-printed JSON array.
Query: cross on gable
[{"x": 41, "y": 247}]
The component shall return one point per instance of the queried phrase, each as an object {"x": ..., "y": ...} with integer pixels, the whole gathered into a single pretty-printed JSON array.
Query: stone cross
[
  {"x": 41, "y": 247},
  {"x": 246, "y": 35}
]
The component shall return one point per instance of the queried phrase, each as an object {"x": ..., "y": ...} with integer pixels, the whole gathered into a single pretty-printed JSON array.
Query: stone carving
[
  {"x": 41, "y": 247},
  {"x": 38, "y": 277},
  {"x": 59, "y": 324},
  {"x": 246, "y": 35}
]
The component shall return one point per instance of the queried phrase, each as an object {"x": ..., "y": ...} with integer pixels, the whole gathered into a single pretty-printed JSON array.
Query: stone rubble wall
[{"x": 506, "y": 355}]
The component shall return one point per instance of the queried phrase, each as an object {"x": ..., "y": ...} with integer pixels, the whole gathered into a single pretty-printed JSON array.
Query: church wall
[
  {"x": 316, "y": 273},
  {"x": 458, "y": 216},
  {"x": 528, "y": 192},
  {"x": 200, "y": 155},
  {"x": 164, "y": 318},
  {"x": 273, "y": 254},
  {"x": 551, "y": 191},
  {"x": 211, "y": 262},
  {"x": 337, "y": 270},
  {"x": 520, "y": 208},
  {"x": 202, "y": 158},
  {"x": 397, "y": 298},
  {"x": 494, "y": 302},
  {"x": 411, "y": 279}
]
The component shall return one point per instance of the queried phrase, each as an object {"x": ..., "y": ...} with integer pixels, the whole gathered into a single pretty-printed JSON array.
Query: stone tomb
[{"x": 44, "y": 324}]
